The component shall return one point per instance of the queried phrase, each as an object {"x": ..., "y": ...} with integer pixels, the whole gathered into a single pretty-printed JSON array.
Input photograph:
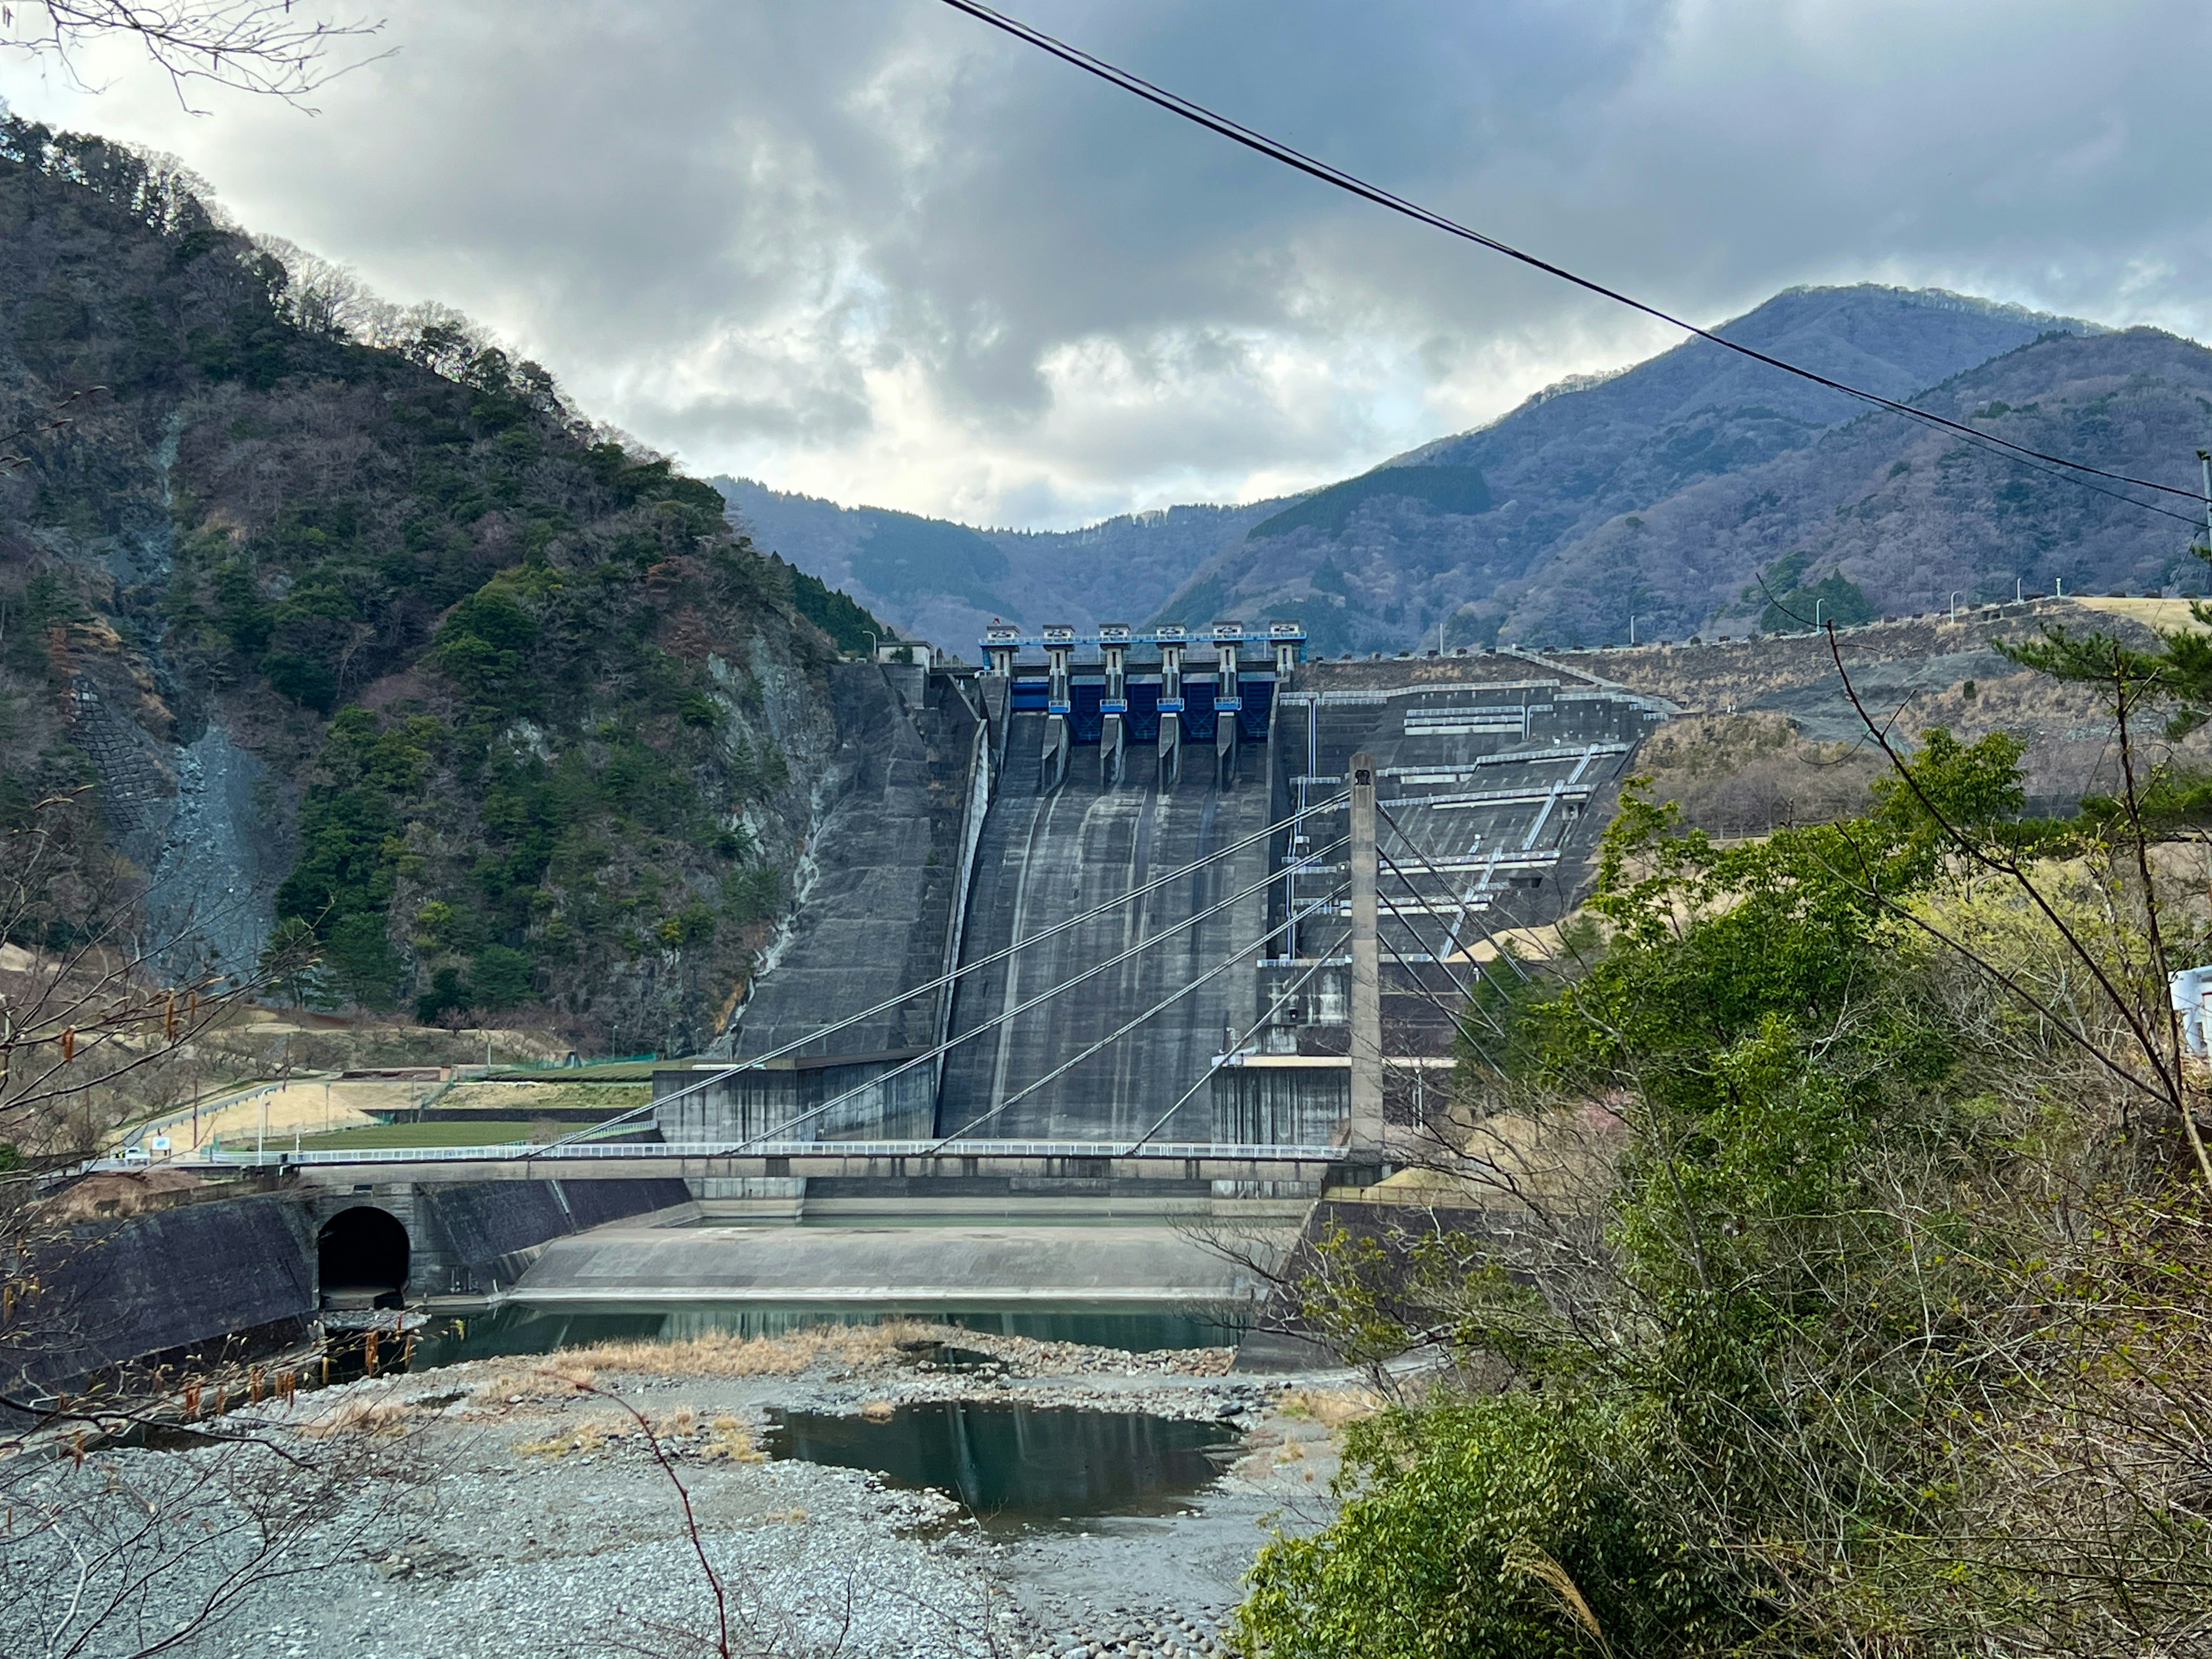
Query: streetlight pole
[
  {"x": 2017, "y": 597},
  {"x": 1954, "y": 605},
  {"x": 1817, "y": 604}
]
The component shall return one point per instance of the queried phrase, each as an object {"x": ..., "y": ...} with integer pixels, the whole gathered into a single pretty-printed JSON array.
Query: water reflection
[{"x": 1016, "y": 1466}]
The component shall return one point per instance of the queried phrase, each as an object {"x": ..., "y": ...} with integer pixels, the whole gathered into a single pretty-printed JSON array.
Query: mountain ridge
[{"x": 1506, "y": 548}]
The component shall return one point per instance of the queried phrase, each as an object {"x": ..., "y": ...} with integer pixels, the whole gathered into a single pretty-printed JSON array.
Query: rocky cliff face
[{"x": 378, "y": 640}]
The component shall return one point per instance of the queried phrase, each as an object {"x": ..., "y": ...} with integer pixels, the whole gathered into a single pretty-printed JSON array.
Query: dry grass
[
  {"x": 578, "y": 1439},
  {"x": 680, "y": 1432},
  {"x": 730, "y": 1441},
  {"x": 1330, "y": 1408},
  {"x": 717, "y": 1354},
  {"x": 556, "y": 1379},
  {"x": 377, "y": 1418},
  {"x": 2168, "y": 614}
]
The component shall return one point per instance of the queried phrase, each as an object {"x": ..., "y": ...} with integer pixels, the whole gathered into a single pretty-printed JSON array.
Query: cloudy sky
[{"x": 870, "y": 250}]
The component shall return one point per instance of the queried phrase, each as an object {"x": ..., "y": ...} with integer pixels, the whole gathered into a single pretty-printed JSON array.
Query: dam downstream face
[
  {"x": 972, "y": 855},
  {"x": 1044, "y": 858}
]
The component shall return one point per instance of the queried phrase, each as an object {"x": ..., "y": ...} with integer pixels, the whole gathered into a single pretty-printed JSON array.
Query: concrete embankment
[
  {"x": 169, "y": 1283},
  {"x": 210, "y": 1272},
  {"x": 899, "y": 1266}
]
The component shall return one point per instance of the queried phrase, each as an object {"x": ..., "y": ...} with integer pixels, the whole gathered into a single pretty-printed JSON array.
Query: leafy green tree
[
  {"x": 447, "y": 998},
  {"x": 291, "y": 966},
  {"x": 500, "y": 976},
  {"x": 1733, "y": 1356}
]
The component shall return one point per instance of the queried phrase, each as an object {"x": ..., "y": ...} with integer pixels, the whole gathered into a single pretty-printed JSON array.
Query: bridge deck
[{"x": 830, "y": 1159}]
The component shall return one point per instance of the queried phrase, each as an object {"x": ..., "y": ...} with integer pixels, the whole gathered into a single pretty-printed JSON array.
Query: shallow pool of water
[
  {"x": 523, "y": 1328},
  {"x": 1020, "y": 1465}
]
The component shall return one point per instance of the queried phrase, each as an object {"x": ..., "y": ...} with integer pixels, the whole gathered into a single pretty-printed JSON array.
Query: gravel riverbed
[{"x": 519, "y": 1508}]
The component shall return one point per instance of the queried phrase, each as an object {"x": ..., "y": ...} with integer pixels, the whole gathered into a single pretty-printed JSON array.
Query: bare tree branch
[{"x": 270, "y": 48}]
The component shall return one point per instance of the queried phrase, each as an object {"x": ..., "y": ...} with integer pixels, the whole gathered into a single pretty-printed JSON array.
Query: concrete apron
[{"x": 906, "y": 1267}]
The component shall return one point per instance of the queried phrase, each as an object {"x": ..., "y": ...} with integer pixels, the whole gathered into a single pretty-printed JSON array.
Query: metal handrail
[{"x": 515, "y": 1151}]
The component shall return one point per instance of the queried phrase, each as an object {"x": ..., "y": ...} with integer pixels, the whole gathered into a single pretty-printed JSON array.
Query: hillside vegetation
[
  {"x": 359, "y": 627},
  {"x": 1839, "y": 1284}
]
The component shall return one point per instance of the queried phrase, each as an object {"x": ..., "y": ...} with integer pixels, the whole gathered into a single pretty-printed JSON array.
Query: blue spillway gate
[{"x": 1086, "y": 722}]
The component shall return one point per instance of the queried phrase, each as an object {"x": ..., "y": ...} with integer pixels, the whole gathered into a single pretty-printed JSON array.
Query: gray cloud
[{"x": 869, "y": 249}]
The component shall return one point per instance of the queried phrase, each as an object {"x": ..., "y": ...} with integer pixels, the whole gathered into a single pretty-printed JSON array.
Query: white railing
[{"x": 523, "y": 1151}]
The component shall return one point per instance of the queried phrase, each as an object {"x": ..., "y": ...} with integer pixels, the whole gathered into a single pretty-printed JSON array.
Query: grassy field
[
  {"x": 498, "y": 1133},
  {"x": 2152, "y": 613},
  {"x": 521, "y": 1099}
]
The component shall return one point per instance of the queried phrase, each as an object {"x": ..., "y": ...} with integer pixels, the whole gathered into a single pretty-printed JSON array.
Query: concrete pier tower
[
  {"x": 1228, "y": 702},
  {"x": 1289, "y": 639},
  {"x": 1114, "y": 704},
  {"x": 1002, "y": 643},
  {"x": 1364, "y": 1128},
  {"x": 1059, "y": 648},
  {"x": 1172, "y": 640}
]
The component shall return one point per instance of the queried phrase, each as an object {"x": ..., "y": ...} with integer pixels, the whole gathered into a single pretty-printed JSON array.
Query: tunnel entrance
[{"x": 361, "y": 1259}]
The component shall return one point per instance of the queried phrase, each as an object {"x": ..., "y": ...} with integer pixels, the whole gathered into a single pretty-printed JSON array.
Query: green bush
[{"x": 1487, "y": 1527}]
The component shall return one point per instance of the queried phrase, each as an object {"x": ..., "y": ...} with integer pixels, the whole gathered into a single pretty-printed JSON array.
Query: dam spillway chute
[{"x": 1006, "y": 934}]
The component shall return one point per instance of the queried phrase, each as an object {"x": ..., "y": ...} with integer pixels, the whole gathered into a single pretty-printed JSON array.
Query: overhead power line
[
  {"x": 759, "y": 1062},
  {"x": 1005, "y": 1016},
  {"x": 2074, "y": 471}
]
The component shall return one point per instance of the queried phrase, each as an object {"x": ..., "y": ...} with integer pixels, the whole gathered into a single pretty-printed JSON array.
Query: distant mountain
[
  {"x": 1662, "y": 492},
  {"x": 1587, "y": 454},
  {"x": 942, "y": 581},
  {"x": 1905, "y": 514}
]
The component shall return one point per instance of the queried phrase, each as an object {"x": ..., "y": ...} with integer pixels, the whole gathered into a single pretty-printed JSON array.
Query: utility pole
[
  {"x": 1365, "y": 1127},
  {"x": 2204, "y": 456}
]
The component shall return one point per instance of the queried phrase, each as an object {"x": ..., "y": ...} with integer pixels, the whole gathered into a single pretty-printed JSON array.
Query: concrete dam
[
  {"x": 1077, "y": 939},
  {"x": 1096, "y": 891}
]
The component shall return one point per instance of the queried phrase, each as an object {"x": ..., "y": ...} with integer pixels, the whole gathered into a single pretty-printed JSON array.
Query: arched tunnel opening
[{"x": 361, "y": 1259}]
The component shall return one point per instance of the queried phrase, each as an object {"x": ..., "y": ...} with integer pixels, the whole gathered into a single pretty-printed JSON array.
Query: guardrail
[
  {"x": 134, "y": 1135},
  {"x": 525, "y": 1152}
]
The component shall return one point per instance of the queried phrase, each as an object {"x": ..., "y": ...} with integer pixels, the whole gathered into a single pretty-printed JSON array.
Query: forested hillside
[{"x": 365, "y": 631}]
